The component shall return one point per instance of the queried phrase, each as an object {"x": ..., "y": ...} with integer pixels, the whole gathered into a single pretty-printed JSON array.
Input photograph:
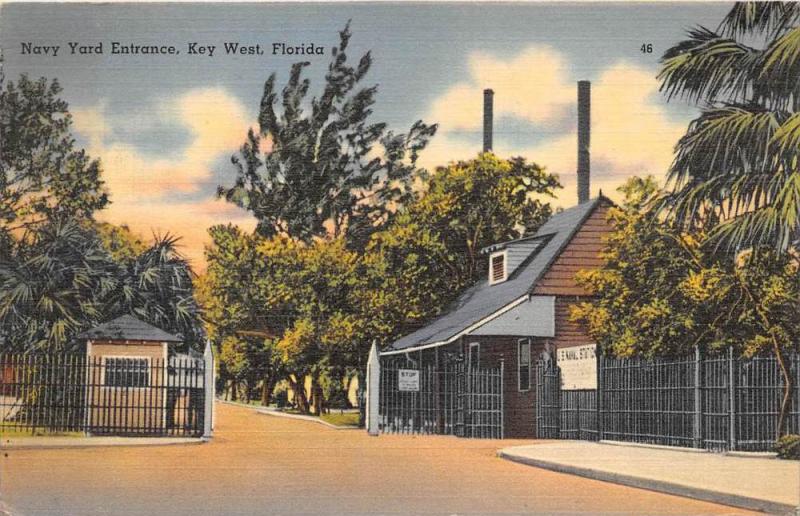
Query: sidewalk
[
  {"x": 756, "y": 483},
  {"x": 44, "y": 442}
]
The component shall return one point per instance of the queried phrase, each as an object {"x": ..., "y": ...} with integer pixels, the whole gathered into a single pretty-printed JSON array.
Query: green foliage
[
  {"x": 42, "y": 175},
  {"x": 788, "y": 447},
  {"x": 61, "y": 272},
  {"x": 62, "y": 280},
  {"x": 738, "y": 162},
  {"x": 472, "y": 204},
  {"x": 120, "y": 241},
  {"x": 663, "y": 291},
  {"x": 325, "y": 302},
  {"x": 319, "y": 167},
  {"x": 53, "y": 286}
]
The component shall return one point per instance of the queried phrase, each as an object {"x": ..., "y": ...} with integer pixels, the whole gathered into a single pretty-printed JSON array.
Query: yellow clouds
[
  {"x": 215, "y": 121},
  {"x": 529, "y": 86},
  {"x": 631, "y": 131},
  {"x": 145, "y": 188},
  {"x": 186, "y": 219}
]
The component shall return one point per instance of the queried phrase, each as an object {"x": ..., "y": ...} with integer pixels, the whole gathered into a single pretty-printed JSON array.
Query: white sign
[
  {"x": 408, "y": 380},
  {"x": 578, "y": 367}
]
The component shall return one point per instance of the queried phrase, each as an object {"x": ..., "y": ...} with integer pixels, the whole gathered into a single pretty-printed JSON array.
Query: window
[
  {"x": 524, "y": 364},
  {"x": 497, "y": 267},
  {"x": 127, "y": 372},
  {"x": 474, "y": 355}
]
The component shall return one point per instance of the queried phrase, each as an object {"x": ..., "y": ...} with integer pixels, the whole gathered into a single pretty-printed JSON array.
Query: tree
[
  {"x": 664, "y": 290},
  {"x": 736, "y": 169},
  {"x": 472, "y": 204},
  {"x": 327, "y": 170},
  {"x": 53, "y": 286},
  {"x": 119, "y": 241},
  {"x": 156, "y": 286},
  {"x": 739, "y": 159},
  {"x": 43, "y": 176},
  {"x": 62, "y": 280}
]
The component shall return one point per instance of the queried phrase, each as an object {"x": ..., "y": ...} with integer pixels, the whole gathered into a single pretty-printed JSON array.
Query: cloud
[
  {"x": 632, "y": 133},
  {"x": 217, "y": 124},
  {"x": 143, "y": 189}
]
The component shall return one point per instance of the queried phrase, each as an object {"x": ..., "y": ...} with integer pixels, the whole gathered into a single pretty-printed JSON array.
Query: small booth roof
[{"x": 128, "y": 327}]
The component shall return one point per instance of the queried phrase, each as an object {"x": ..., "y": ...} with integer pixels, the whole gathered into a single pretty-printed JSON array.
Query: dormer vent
[{"x": 498, "y": 268}]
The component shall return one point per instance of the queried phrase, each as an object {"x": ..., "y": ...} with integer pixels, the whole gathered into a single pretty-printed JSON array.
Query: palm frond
[
  {"x": 708, "y": 66},
  {"x": 746, "y": 18}
]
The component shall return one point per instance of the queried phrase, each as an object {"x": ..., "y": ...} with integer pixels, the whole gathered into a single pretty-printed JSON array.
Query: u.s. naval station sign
[{"x": 578, "y": 367}]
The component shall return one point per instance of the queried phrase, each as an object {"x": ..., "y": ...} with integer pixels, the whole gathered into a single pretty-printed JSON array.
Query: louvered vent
[{"x": 497, "y": 271}]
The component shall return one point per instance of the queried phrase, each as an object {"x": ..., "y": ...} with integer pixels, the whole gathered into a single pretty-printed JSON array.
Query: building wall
[
  {"x": 519, "y": 406},
  {"x": 582, "y": 252},
  {"x": 127, "y": 407}
]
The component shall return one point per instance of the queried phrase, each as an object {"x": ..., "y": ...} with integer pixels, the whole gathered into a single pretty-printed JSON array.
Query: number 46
[{"x": 647, "y": 48}]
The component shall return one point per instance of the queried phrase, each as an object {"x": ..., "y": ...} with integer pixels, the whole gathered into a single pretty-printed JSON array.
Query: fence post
[
  {"x": 698, "y": 401},
  {"x": 373, "y": 389},
  {"x": 208, "y": 391},
  {"x": 502, "y": 407},
  {"x": 732, "y": 399},
  {"x": 599, "y": 393}
]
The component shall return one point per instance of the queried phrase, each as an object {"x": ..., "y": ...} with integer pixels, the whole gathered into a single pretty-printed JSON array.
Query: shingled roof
[
  {"x": 128, "y": 327},
  {"x": 531, "y": 256}
]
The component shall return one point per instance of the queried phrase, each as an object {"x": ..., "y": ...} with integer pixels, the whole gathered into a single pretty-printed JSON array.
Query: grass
[
  {"x": 341, "y": 419},
  {"x": 7, "y": 432}
]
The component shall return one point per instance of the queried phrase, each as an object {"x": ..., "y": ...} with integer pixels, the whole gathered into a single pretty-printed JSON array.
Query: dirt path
[{"x": 260, "y": 464}]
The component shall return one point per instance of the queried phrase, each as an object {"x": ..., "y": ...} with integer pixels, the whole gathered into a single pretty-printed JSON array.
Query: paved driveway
[{"x": 261, "y": 464}]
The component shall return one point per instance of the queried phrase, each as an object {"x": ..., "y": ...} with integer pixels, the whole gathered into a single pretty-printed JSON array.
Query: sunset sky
[{"x": 164, "y": 127}]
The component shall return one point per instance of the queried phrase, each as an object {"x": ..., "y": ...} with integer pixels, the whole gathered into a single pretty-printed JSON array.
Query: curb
[
  {"x": 683, "y": 449},
  {"x": 84, "y": 444},
  {"x": 708, "y": 495}
]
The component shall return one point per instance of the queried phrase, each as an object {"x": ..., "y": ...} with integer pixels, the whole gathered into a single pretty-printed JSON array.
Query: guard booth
[{"x": 137, "y": 385}]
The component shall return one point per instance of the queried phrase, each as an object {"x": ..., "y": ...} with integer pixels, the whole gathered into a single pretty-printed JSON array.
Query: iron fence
[
  {"x": 718, "y": 403},
  {"x": 102, "y": 395},
  {"x": 452, "y": 400}
]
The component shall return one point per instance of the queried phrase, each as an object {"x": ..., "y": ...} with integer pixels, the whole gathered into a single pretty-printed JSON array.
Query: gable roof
[
  {"x": 128, "y": 327},
  {"x": 532, "y": 257}
]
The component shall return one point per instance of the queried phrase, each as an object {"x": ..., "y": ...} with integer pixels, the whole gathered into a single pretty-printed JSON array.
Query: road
[{"x": 260, "y": 464}]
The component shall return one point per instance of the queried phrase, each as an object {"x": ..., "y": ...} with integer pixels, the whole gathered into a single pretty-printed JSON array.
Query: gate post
[
  {"x": 698, "y": 400},
  {"x": 373, "y": 389},
  {"x": 208, "y": 392}
]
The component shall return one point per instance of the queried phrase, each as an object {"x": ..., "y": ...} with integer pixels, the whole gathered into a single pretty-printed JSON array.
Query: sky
[{"x": 165, "y": 127}]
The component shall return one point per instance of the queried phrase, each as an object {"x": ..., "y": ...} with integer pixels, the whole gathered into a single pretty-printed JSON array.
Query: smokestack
[
  {"x": 584, "y": 136},
  {"x": 488, "y": 113}
]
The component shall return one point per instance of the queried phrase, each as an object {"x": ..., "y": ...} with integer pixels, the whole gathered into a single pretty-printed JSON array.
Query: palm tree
[
  {"x": 737, "y": 168},
  {"x": 61, "y": 280},
  {"x": 156, "y": 286},
  {"x": 52, "y": 286},
  {"x": 740, "y": 159}
]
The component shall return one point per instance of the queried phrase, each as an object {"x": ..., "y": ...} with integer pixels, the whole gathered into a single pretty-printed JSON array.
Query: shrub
[
  {"x": 338, "y": 400},
  {"x": 788, "y": 447}
]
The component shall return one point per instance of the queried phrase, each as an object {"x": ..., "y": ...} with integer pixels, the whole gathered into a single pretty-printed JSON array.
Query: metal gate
[
  {"x": 453, "y": 400},
  {"x": 563, "y": 414}
]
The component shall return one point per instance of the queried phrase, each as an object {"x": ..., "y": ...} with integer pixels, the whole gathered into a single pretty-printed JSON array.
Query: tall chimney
[
  {"x": 488, "y": 113},
  {"x": 584, "y": 136}
]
